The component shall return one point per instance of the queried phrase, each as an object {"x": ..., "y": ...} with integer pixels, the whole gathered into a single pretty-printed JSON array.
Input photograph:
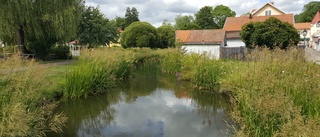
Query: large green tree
[
  {"x": 167, "y": 36},
  {"x": 140, "y": 34},
  {"x": 220, "y": 14},
  {"x": 271, "y": 33},
  {"x": 204, "y": 18},
  {"x": 131, "y": 15},
  {"x": 120, "y": 22},
  {"x": 37, "y": 25},
  {"x": 185, "y": 23},
  {"x": 308, "y": 12},
  {"x": 95, "y": 29}
]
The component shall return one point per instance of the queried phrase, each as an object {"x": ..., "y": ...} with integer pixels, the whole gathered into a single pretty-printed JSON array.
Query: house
[
  {"x": 300, "y": 28},
  {"x": 315, "y": 31},
  {"x": 233, "y": 26},
  {"x": 202, "y": 41},
  {"x": 267, "y": 10}
]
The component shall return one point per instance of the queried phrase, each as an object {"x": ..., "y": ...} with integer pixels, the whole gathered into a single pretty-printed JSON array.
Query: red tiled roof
[
  {"x": 301, "y": 26},
  {"x": 200, "y": 36},
  {"x": 316, "y": 18},
  {"x": 233, "y": 34},
  {"x": 236, "y": 23}
]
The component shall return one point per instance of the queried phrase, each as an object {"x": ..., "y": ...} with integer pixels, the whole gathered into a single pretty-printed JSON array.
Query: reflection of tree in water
[
  {"x": 138, "y": 87},
  {"x": 89, "y": 114},
  {"x": 90, "y": 117}
]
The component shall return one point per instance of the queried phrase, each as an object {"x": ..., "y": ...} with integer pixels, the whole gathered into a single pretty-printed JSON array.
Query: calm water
[{"x": 147, "y": 108}]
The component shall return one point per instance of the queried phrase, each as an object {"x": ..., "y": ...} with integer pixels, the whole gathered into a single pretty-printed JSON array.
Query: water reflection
[{"x": 147, "y": 108}]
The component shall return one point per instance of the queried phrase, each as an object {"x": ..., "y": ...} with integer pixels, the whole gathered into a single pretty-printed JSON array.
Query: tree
[
  {"x": 167, "y": 36},
  {"x": 140, "y": 34},
  {"x": 204, "y": 18},
  {"x": 94, "y": 29},
  {"x": 131, "y": 15},
  {"x": 309, "y": 11},
  {"x": 120, "y": 22},
  {"x": 166, "y": 23},
  {"x": 220, "y": 14},
  {"x": 37, "y": 25},
  {"x": 185, "y": 23},
  {"x": 271, "y": 33}
]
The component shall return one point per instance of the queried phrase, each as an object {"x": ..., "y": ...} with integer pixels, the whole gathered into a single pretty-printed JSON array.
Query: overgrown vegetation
[
  {"x": 26, "y": 93},
  {"x": 273, "y": 93},
  {"x": 98, "y": 70}
]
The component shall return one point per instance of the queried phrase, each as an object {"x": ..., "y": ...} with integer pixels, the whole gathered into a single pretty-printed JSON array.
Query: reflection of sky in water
[{"x": 158, "y": 115}]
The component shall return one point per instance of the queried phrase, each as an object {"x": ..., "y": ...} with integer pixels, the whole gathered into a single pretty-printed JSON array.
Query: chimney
[{"x": 272, "y": 2}]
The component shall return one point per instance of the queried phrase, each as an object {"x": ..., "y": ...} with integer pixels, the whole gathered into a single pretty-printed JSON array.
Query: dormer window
[{"x": 268, "y": 12}]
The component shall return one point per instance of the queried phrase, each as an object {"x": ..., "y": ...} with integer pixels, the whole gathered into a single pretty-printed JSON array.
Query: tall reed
[
  {"x": 25, "y": 108},
  {"x": 273, "y": 92},
  {"x": 98, "y": 70}
]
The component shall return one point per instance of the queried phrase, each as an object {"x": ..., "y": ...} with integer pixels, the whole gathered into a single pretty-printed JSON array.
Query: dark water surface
[{"x": 159, "y": 107}]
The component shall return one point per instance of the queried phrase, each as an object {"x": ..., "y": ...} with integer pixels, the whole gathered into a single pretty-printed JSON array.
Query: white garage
[{"x": 202, "y": 41}]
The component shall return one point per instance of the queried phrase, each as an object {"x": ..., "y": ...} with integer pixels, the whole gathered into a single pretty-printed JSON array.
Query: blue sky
[{"x": 155, "y": 11}]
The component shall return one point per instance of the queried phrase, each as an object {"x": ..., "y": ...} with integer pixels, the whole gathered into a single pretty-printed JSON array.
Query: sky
[{"x": 156, "y": 11}]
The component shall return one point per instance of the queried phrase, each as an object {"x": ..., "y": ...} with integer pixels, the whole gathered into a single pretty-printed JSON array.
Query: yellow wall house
[
  {"x": 315, "y": 31},
  {"x": 267, "y": 10}
]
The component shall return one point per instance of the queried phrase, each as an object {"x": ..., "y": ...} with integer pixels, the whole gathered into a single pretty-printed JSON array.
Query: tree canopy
[
  {"x": 38, "y": 25},
  {"x": 204, "y": 18},
  {"x": 185, "y": 23},
  {"x": 140, "y": 34},
  {"x": 220, "y": 14},
  {"x": 95, "y": 29},
  {"x": 167, "y": 36},
  {"x": 308, "y": 12},
  {"x": 131, "y": 15},
  {"x": 271, "y": 33}
]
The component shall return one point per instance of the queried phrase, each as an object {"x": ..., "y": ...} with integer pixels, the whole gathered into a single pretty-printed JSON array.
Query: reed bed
[
  {"x": 275, "y": 93},
  {"x": 25, "y": 106},
  {"x": 98, "y": 71}
]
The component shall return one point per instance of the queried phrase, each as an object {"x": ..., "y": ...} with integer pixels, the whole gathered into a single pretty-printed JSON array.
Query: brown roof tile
[
  {"x": 236, "y": 23},
  {"x": 200, "y": 36},
  {"x": 301, "y": 26},
  {"x": 316, "y": 18}
]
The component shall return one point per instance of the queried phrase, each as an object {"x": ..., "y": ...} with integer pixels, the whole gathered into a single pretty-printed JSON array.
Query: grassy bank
[
  {"x": 26, "y": 99},
  {"x": 97, "y": 71},
  {"x": 273, "y": 93}
]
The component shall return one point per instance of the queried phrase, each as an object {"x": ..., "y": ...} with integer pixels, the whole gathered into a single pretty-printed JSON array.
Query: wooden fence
[{"x": 233, "y": 53}]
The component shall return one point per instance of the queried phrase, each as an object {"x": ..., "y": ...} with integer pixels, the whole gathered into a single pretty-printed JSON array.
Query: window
[
  {"x": 268, "y": 12},
  {"x": 318, "y": 24}
]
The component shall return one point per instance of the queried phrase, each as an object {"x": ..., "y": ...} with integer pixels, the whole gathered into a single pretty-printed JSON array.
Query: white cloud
[{"x": 155, "y": 11}]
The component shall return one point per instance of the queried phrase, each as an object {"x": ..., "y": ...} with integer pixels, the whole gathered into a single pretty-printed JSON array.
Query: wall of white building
[{"x": 212, "y": 51}]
